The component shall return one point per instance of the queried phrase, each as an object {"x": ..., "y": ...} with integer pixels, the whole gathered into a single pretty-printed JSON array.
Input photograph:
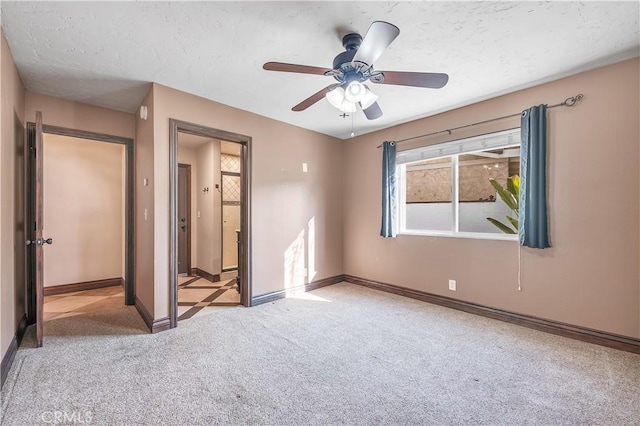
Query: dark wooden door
[
  {"x": 38, "y": 240},
  {"x": 184, "y": 218}
]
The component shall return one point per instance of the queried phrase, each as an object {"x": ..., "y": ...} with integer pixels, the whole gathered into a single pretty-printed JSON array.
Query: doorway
[
  {"x": 35, "y": 207},
  {"x": 231, "y": 191},
  {"x": 203, "y": 148}
]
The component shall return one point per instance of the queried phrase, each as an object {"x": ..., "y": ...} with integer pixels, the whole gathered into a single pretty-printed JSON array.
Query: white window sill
[{"x": 468, "y": 235}]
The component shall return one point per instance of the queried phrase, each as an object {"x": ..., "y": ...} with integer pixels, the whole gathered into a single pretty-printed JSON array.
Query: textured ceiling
[{"x": 106, "y": 53}]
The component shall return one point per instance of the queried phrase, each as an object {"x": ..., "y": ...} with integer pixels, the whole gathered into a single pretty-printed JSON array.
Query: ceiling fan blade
[
  {"x": 313, "y": 98},
  {"x": 303, "y": 69},
  {"x": 373, "y": 111},
  {"x": 378, "y": 38},
  {"x": 415, "y": 79}
]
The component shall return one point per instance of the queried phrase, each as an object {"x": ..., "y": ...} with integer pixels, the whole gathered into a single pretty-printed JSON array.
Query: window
[{"x": 445, "y": 189}]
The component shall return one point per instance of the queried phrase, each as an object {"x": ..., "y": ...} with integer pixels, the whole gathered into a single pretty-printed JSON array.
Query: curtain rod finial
[{"x": 573, "y": 100}]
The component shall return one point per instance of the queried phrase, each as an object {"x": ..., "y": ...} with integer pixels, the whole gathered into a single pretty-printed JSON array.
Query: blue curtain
[
  {"x": 533, "y": 179},
  {"x": 388, "y": 190}
]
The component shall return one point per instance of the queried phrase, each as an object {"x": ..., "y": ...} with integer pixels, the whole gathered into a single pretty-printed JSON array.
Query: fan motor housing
[
  {"x": 343, "y": 60},
  {"x": 352, "y": 41}
]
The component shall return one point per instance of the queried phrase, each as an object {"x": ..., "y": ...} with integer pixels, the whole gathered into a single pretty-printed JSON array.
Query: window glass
[
  {"x": 478, "y": 198},
  {"x": 428, "y": 195}
]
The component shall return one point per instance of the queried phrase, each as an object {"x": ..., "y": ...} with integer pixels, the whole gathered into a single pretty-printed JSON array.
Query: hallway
[{"x": 199, "y": 296}]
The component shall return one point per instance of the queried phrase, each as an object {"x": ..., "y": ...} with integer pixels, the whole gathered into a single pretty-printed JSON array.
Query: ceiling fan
[{"x": 354, "y": 67}]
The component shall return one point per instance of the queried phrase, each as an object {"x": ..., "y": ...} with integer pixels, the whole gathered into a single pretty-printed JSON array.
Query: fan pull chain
[{"x": 352, "y": 133}]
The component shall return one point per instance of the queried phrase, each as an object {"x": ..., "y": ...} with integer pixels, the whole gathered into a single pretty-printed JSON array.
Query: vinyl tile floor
[
  {"x": 81, "y": 302},
  {"x": 197, "y": 296}
]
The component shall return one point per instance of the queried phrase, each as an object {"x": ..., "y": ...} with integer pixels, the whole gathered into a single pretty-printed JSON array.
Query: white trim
[
  {"x": 468, "y": 235},
  {"x": 455, "y": 193},
  {"x": 486, "y": 142},
  {"x": 487, "y": 160}
]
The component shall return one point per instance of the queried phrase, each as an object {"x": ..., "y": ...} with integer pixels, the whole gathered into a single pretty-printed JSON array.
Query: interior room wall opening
[
  {"x": 84, "y": 194},
  {"x": 209, "y": 206}
]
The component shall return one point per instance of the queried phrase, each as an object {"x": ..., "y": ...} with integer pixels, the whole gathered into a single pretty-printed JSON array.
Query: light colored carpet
[{"x": 344, "y": 355}]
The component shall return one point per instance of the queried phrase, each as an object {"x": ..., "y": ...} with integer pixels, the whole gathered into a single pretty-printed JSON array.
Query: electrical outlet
[{"x": 452, "y": 285}]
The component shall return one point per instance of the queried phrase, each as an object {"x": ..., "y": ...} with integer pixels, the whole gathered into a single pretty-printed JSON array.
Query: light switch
[
  {"x": 145, "y": 213},
  {"x": 145, "y": 182},
  {"x": 304, "y": 167}
]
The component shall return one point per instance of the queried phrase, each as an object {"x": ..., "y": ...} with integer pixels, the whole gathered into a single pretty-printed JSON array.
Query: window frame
[{"x": 401, "y": 173}]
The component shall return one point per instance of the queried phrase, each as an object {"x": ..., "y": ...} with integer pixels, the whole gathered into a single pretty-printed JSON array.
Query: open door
[
  {"x": 184, "y": 217},
  {"x": 36, "y": 240}
]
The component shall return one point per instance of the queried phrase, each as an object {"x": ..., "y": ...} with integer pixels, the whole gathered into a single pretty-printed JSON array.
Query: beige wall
[
  {"x": 144, "y": 218},
  {"x": 209, "y": 229},
  {"x": 284, "y": 201},
  {"x": 12, "y": 286},
  {"x": 190, "y": 156},
  {"x": 591, "y": 276},
  {"x": 83, "y": 210}
]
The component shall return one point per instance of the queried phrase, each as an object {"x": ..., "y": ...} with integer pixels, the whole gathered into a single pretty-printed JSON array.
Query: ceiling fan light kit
[
  {"x": 346, "y": 100},
  {"x": 368, "y": 99},
  {"x": 337, "y": 98},
  {"x": 353, "y": 67},
  {"x": 354, "y": 91}
]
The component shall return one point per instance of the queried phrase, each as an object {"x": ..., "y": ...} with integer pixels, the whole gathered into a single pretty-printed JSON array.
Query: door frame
[
  {"x": 129, "y": 226},
  {"x": 188, "y": 168},
  {"x": 176, "y": 126}
]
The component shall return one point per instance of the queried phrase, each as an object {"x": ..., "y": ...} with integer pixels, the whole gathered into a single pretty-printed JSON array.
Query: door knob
[{"x": 40, "y": 241}]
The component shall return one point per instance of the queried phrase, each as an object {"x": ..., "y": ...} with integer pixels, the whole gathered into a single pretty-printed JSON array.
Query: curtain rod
[{"x": 569, "y": 102}]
